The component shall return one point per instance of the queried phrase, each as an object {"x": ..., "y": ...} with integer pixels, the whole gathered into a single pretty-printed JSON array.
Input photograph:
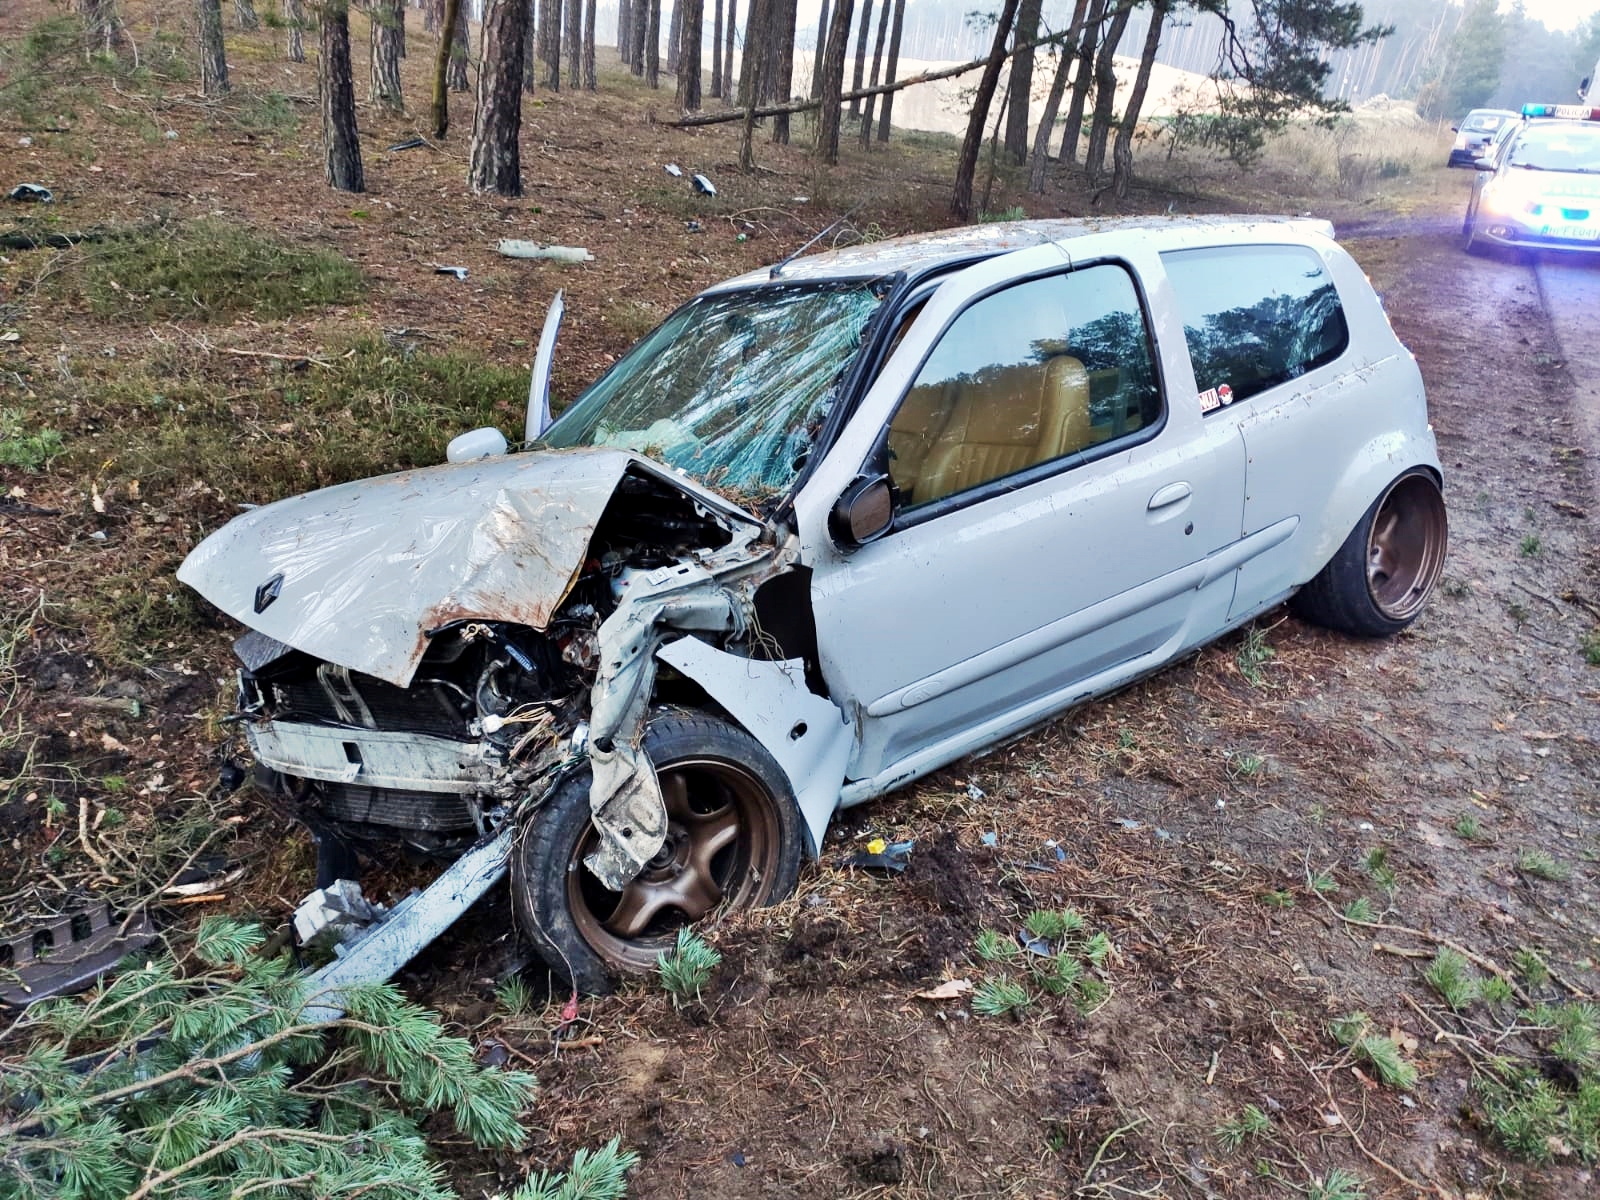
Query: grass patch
[
  {"x": 1250, "y": 1123},
  {"x": 1540, "y": 865},
  {"x": 1467, "y": 826},
  {"x": 1451, "y": 976},
  {"x": 687, "y": 969},
  {"x": 205, "y": 270},
  {"x": 1531, "y": 546},
  {"x": 27, "y": 449},
  {"x": 1591, "y": 647},
  {"x": 1377, "y": 864},
  {"x": 1253, "y": 655},
  {"x": 1377, "y": 1050}
]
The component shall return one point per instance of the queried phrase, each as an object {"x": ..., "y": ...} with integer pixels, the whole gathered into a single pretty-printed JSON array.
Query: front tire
[
  {"x": 1380, "y": 579},
  {"x": 734, "y": 840}
]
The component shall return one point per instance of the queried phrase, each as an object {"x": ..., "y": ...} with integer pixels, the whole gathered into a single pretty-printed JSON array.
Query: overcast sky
[{"x": 1557, "y": 14}]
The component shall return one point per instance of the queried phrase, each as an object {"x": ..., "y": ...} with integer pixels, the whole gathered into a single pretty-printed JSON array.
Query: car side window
[
  {"x": 1030, "y": 375},
  {"x": 1255, "y": 317}
]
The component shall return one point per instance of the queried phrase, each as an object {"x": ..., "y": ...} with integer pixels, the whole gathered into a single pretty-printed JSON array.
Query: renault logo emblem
[{"x": 268, "y": 592}]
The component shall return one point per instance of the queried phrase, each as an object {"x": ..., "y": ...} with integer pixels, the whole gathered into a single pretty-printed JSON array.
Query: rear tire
[
  {"x": 1380, "y": 579},
  {"x": 734, "y": 840}
]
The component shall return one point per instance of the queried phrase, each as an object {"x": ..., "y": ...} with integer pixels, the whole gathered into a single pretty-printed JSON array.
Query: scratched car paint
[{"x": 832, "y": 526}]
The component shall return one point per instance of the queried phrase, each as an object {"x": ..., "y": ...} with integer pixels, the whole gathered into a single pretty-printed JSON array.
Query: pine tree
[
  {"x": 213, "y": 61},
  {"x": 294, "y": 24},
  {"x": 341, "y": 146},
  {"x": 967, "y": 164},
  {"x": 496, "y": 159},
  {"x": 387, "y": 20}
]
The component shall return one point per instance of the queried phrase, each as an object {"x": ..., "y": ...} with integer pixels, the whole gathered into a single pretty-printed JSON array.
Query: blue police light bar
[{"x": 1568, "y": 112}]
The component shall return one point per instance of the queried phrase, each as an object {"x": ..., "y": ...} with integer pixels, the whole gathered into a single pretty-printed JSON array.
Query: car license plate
[{"x": 1577, "y": 233}]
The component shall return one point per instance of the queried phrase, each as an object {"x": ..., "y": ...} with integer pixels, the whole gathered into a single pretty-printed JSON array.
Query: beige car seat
[{"x": 1001, "y": 424}]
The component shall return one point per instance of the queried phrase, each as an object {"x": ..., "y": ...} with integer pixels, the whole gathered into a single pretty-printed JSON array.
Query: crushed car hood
[{"x": 360, "y": 574}]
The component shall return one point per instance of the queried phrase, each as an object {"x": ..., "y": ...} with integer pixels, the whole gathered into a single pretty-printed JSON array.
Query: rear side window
[{"x": 1255, "y": 317}]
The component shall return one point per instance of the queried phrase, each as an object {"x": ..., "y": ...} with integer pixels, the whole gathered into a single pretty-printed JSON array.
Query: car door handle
[{"x": 1169, "y": 495}]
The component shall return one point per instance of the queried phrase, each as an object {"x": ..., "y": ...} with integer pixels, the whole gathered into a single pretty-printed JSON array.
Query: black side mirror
[
  {"x": 863, "y": 513},
  {"x": 1455, "y": 129}
]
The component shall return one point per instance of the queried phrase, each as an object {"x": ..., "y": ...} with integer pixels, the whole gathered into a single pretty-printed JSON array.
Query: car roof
[
  {"x": 918, "y": 253},
  {"x": 1493, "y": 112}
]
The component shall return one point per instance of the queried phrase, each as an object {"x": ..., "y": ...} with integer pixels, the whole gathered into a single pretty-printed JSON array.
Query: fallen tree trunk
[{"x": 796, "y": 106}]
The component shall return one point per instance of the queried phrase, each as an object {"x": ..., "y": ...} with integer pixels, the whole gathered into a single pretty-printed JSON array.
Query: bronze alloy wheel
[
  {"x": 1406, "y": 546},
  {"x": 723, "y": 847}
]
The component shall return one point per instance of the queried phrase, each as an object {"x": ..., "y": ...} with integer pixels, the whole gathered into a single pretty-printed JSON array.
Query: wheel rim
[
  {"x": 722, "y": 847},
  {"x": 1405, "y": 547}
]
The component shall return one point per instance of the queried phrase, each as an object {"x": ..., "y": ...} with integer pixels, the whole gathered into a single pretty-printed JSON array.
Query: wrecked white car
[{"x": 830, "y": 527}]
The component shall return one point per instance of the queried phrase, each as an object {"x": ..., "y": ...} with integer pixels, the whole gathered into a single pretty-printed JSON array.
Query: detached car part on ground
[{"x": 830, "y": 527}]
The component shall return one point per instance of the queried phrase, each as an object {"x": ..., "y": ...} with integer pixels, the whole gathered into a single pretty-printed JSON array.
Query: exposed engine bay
[{"x": 495, "y": 707}]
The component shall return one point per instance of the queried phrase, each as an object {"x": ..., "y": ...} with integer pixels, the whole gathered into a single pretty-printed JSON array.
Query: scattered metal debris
[
  {"x": 883, "y": 856},
  {"x": 703, "y": 185},
  {"x": 68, "y": 953},
  {"x": 458, "y": 272},
  {"x": 415, "y": 143},
  {"x": 674, "y": 170},
  {"x": 337, "y": 913},
  {"x": 32, "y": 193}
]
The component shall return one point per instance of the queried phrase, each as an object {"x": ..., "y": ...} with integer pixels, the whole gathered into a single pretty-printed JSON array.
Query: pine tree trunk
[
  {"x": 530, "y": 49},
  {"x": 460, "y": 53},
  {"x": 495, "y": 160},
  {"x": 213, "y": 62},
  {"x": 625, "y": 30},
  {"x": 294, "y": 21},
  {"x": 833, "y": 80},
  {"x": 819, "y": 52},
  {"x": 384, "y": 53},
  {"x": 861, "y": 55},
  {"x": 450, "y": 17},
  {"x": 337, "y": 93},
  {"x": 693, "y": 18},
  {"x": 99, "y": 26},
  {"x": 574, "y": 37},
  {"x": 674, "y": 36},
  {"x": 549, "y": 40},
  {"x": 893, "y": 66},
  {"x": 1094, "y": 25},
  {"x": 716, "y": 51},
  {"x": 1122, "y": 152},
  {"x": 652, "y": 46},
  {"x": 400, "y": 26},
  {"x": 751, "y": 69},
  {"x": 641, "y": 30},
  {"x": 432, "y": 15},
  {"x": 785, "y": 14},
  {"x": 877, "y": 64},
  {"x": 591, "y": 81},
  {"x": 967, "y": 164},
  {"x": 1021, "y": 85},
  {"x": 727, "y": 54},
  {"x": 1105, "y": 92},
  {"x": 244, "y": 12},
  {"x": 1039, "y": 161}
]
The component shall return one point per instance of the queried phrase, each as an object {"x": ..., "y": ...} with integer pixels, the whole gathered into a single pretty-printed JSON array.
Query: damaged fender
[
  {"x": 624, "y": 797},
  {"x": 808, "y": 735}
]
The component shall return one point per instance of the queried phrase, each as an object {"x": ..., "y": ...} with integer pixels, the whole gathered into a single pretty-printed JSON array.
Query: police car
[{"x": 1540, "y": 186}]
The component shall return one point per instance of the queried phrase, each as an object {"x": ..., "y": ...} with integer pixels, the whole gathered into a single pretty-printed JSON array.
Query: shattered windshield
[{"x": 733, "y": 388}]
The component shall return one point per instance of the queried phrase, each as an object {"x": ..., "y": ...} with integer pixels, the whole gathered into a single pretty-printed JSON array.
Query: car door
[
  {"x": 1053, "y": 520},
  {"x": 1271, "y": 342}
]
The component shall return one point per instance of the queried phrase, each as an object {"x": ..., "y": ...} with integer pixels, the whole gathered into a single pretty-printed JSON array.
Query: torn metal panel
[
  {"x": 808, "y": 735},
  {"x": 360, "y": 574},
  {"x": 410, "y": 926},
  {"x": 624, "y": 797},
  {"x": 374, "y": 757}
]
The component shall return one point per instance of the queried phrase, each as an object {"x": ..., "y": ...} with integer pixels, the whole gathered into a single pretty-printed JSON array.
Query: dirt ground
[{"x": 1215, "y": 821}]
